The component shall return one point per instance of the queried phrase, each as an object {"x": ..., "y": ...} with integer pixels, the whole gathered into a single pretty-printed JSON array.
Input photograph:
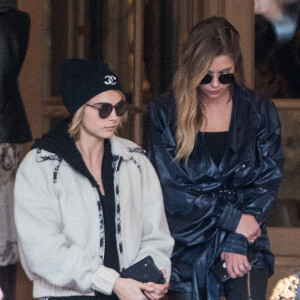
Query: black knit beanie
[{"x": 83, "y": 80}]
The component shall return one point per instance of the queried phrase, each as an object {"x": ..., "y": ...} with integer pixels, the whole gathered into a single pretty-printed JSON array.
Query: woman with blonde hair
[
  {"x": 216, "y": 146},
  {"x": 88, "y": 204}
]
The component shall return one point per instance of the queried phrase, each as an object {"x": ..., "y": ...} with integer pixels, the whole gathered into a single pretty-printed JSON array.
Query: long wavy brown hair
[{"x": 209, "y": 39}]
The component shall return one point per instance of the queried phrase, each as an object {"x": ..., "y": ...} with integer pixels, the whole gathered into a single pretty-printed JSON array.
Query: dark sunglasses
[
  {"x": 223, "y": 78},
  {"x": 105, "y": 109}
]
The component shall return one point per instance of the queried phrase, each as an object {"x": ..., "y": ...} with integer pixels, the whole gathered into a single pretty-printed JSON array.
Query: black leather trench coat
[
  {"x": 204, "y": 202},
  {"x": 14, "y": 35}
]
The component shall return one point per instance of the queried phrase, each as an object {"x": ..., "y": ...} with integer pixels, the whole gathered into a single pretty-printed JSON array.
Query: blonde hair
[
  {"x": 74, "y": 128},
  {"x": 209, "y": 39}
]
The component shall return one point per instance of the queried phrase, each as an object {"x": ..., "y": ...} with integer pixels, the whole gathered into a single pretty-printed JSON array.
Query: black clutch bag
[
  {"x": 144, "y": 270},
  {"x": 220, "y": 271}
]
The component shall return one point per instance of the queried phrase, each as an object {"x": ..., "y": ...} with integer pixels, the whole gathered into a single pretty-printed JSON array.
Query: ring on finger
[{"x": 241, "y": 267}]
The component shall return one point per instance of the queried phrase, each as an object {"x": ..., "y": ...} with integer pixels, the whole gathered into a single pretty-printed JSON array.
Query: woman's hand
[
  {"x": 130, "y": 289},
  {"x": 249, "y": 228},
  {"x": 237, "y": 265},
  {"x": 160, "y": 290}
]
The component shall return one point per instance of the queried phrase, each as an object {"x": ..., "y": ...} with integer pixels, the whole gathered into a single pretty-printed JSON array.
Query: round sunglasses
[
  {"x": 223, "y": 78},
  {"x": 105, "y": 109}
]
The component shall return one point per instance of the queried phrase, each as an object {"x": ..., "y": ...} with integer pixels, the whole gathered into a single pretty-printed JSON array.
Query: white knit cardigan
[{"x": 58, "y": 223}]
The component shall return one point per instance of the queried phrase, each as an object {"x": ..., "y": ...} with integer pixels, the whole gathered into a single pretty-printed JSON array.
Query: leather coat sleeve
[{"x": 259, "y": 197}]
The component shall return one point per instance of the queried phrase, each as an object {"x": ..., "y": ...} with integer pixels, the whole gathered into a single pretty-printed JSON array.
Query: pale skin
[
  {"x": 139, "y": 290},
  {"x": 93, "y": 132},
  {"x": 217, "y": 116},
  {"x": 160, "y": 290}
]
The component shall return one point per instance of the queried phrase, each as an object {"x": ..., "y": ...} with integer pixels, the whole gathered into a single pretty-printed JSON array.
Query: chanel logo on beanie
[{"x": 110, "y": 80}]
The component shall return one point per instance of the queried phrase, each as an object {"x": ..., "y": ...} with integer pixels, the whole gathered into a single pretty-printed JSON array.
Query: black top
[
  {"x": 111, "y": 259},
  {"x": 215, "y": 143}
]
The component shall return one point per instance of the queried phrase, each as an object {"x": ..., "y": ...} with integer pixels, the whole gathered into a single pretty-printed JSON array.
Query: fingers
[
  {"x": 237, "y": 265},
  {"x": 153, "y": 296},
  {"x": 164, "y": 273},
  {"x": 223, "y": 256},
  {"x": 159, "y": 288},
  {"x": 259, "y": 232},
  {"x": 254, "y": 232},
  {"x": 130, "y": 289},
  {"x": 249, "y": 227},
  {"x": 150, "y": 296},
  {"x": 236, "y": 271},
  {"x": 145, "y": 287},
  {"x": 247, "y": 265},
  {"x": 254, "y": 236}
]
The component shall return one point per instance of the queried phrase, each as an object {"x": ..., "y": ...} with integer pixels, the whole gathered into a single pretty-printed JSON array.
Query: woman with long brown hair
[{"x": 216, "y": 146}]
